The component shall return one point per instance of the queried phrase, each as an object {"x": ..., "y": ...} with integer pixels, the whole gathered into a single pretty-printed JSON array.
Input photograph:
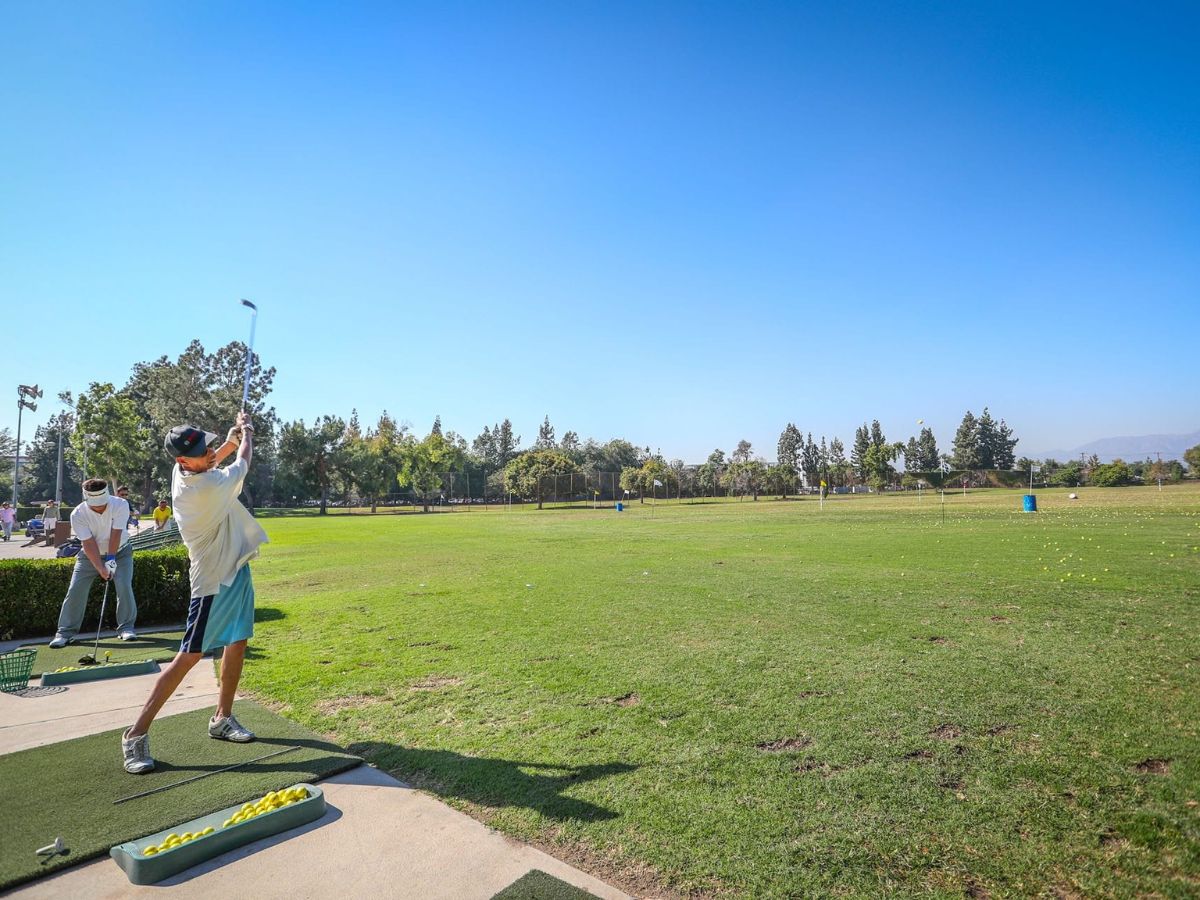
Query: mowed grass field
[{"x": 767, "y": 699}]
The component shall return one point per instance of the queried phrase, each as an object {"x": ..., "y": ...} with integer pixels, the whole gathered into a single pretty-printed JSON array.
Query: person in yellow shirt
[{"x": 162, "y": 514}]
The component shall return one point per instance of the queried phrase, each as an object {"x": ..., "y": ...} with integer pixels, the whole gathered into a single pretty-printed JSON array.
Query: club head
[
  {"x": 88, "y": 660},
  {"x": 251, "y": 305}
]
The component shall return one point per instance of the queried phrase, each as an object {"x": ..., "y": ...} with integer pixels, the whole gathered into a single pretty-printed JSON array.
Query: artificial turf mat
[
  {"x": 161, "y": 645},
  {"x": 537, "y": 885},
  {"x": 68, "y": 788}
]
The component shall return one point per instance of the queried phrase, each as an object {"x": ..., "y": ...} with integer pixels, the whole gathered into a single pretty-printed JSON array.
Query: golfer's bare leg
[
  {"x": 164, "y": 687},
  {"x": 231, "y": 672}
]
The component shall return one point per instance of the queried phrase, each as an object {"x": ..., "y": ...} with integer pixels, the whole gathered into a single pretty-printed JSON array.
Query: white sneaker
[
  {"x": 58, "y": 642},
  {"x": 229, "y": 729},
  {"x": 128, "y": 635},
  {"x": 137, "y": 753}
]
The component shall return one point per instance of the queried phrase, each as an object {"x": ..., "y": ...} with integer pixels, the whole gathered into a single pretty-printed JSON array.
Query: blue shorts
[{"x": 223, "y": 618}]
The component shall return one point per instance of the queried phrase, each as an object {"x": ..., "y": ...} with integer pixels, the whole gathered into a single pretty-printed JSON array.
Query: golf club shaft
[
  {"x": 100, "y": 624},
  {"x": 249, "y": 352},
  {"x": 167, "y": 787}
]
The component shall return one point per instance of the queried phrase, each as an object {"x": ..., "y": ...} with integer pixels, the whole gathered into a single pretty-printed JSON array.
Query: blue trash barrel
[
  {"x": 620, "y": 506},
  {"x": 1030, "y": 503}
]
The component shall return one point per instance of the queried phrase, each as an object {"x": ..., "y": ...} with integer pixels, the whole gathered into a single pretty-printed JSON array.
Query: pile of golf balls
[{"x": 271, "y": 802}]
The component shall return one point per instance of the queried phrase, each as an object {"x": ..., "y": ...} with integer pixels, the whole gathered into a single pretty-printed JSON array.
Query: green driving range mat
[
  {"x": 68, "y": 789},
  {"x": 537, "y": 885},
  {"x": 161, "y": 645}
]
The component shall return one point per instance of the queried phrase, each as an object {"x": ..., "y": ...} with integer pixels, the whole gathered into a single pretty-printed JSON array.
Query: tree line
[{"x": 116, "y": 432}]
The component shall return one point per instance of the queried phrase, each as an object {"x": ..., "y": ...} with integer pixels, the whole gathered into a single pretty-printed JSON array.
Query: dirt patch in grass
[
  {"x": 976, "y": 891},
  {"x": 435, "y": 683},
  {"x": 1000, "y": 620},
  {"x": 630, "y": 699},
  {"x": 946, "y": 732},
  {"x": 938, "y": 639},
  {"x": 335, "y": 705},
  {"x": 784, "y": 745},
  {"x": 1153, "y": 766},
  {"x": 997, "y": 730},
  {"x": 922, "y": 753},
  {"x": 804, "y": 695},
  {"x": 951, "y": 783}
]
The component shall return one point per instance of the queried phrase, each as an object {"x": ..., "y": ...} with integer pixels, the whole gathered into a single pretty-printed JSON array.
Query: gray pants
[
  {"x": 85, "y": 573},
  {"x": 7, "y": 528}
]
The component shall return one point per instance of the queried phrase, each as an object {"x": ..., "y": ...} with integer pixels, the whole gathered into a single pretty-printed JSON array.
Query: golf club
[
  {"x": 175, "y": 784},
  {"x": 90, "y": 659},
  {"x": 249, "y": 352}
]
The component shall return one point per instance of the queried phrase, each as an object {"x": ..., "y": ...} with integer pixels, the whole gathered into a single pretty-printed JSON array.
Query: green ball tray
[
  {"x": 142, "y": 869},
  {"x": 100, "y": 672}
]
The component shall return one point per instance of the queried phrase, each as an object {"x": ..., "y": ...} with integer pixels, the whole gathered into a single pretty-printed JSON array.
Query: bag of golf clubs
[{"x": 69, "y": 548}]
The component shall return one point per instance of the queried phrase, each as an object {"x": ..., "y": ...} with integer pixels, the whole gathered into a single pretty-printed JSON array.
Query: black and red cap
[{"x": 188, "y": 440}]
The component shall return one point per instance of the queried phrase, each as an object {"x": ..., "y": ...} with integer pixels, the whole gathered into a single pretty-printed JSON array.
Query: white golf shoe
[
  {"x": 137, "y": 753},
  {"x": 229, "y": 729},
  {"x": 58, "y": 642}
]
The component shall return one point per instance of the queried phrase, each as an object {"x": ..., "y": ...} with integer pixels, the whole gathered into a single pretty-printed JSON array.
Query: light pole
[{"x": 26, "y": 397}]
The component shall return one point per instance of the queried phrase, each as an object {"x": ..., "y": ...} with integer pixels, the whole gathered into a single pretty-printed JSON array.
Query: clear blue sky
[{"x": 680, "y": 224}]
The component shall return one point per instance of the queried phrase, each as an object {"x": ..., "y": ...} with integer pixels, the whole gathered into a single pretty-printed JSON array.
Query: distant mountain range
[{"x": 1129, "y": 448}]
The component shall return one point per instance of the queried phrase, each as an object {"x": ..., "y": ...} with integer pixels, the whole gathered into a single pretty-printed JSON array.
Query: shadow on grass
[
  {"x": 494, "y": 782},
  {"x": 268, "y": 614}
]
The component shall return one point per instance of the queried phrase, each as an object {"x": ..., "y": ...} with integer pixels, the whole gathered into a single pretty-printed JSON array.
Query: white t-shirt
[
  {"x": 220, "y": 534},
  {"x": 86, "y": 523}
]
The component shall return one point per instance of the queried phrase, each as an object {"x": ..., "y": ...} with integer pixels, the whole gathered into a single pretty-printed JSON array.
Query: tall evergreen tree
[
  {"x": 812, "y": 462},
  {"x": 966, "y": 443},
  {"x": 985, "y": 427},
  {"x": 837, "y": 462},
  {"x": 912, "y": 455},
  {"x": 743, "y": 452},
  {"x": 437, "y": 425},
  {"x": 545, "y": 439},
  {"x": 877, "y": 438},
  {"x": 788, "y": 451},
  {"x": 1004, "y": 447},
  {"x": 928, "y": 459},
  {"x": 508, "y": 445},
  {"x": 858, "y": 453}
]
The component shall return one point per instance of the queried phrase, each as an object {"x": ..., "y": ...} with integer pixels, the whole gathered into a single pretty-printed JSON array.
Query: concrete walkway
[{"x": 379, "y": 838}]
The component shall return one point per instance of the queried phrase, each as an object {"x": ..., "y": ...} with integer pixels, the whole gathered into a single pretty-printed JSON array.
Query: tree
[
  {"x": 1111, "y": 474},
  {"x": 1191, "y": 456},
  {"x": 118, "y": 452},
  {"x": 508, "y": 445},
  {"x": 877, "y": 438},
  {"x": 545, "y": 438},
  {"x": 422, "y": 463},
  {"x": 203, "y": 389},
  {"x": 1003, "y": 446},
  {"x": 966, "y": 453},
  {"x": 747, "y": 476},
  {"x": 838, "y": 466},
  {"x": 570, "y": 445},
  {"x": 39, "y": 468},
  {"x": 928, "y": 458},
  {"x": 858, "y": 452},
  {"x": 912, "y": 455},
  {"x": 374, "y": 458},
  {"x": 310, "y": 458},
  {"x": 788, "y": 454},
  {"x": 711, "y": 475},
  {"x": 811, "y": 462},
  {"x": 437, "y": 425},
  {"x": 743, "y": 452},
  {"x": 484, "y": 448},
  {"x": 527, "y": 475},
  {"x": 878, "y": 460}
]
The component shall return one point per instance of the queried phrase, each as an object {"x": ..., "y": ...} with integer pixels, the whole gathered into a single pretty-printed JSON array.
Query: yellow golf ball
[
  {"x": 208, "y": 830},
  {"x": 150, "y": 851},
  {"x": 227, "y": 823}
]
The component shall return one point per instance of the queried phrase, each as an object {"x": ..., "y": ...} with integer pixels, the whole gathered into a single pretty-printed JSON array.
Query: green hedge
[{"x": 32, "y": 592}]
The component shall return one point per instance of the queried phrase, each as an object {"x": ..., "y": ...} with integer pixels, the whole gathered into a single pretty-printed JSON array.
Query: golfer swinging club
[{"x": 221, "y": 538}]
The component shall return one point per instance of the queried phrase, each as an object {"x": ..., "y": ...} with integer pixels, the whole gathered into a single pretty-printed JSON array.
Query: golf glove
[{"x": 110, "y": 565}]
